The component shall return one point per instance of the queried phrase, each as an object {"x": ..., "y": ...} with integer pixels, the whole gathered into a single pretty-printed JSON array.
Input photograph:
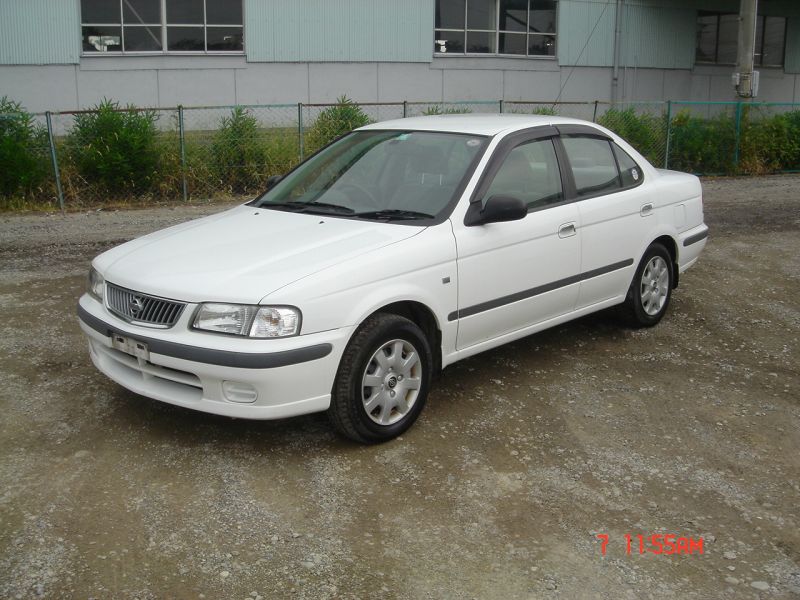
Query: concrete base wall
[{"x": 207, "y": 81}]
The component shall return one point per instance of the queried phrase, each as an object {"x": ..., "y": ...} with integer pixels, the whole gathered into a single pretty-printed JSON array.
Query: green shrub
[
  {"x": 115, "y": 149},
  {"x": 792, "y": 120},
  {"x": 436, "y": 109},
  {"x": 768, "y": 143},
  {"x": 333, "y": 122},
  {"x": 238, "y": 153},
  {"x": 645, "y": 132},
  {"x": 700, "y": 145},
  {"x": 282, "y": 152},
  {"x": 23, "y": 151}
]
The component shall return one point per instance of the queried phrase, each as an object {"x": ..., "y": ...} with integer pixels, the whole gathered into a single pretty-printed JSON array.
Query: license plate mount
[{"x": 130, "y": 346}]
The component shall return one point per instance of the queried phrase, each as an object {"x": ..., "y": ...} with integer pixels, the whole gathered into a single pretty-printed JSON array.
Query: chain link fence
[{"x": 119, "y": 155}]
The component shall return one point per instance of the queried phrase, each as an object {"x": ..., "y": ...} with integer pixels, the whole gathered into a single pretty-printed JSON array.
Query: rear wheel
[
  {"x": 651, "y": 289},
  {"x": 383, "y": 380}
]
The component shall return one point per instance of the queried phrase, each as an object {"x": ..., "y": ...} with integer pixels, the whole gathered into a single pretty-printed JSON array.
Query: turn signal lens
[{"x": 278, "y": 321}]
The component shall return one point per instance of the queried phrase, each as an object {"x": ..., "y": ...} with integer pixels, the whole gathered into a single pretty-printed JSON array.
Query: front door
[{"x": 516, "y": 274}]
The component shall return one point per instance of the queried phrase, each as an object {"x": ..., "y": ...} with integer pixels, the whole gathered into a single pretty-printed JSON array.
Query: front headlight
[
  {"x": 96, "y": 285},
  {"x": 246, "y": 320}
]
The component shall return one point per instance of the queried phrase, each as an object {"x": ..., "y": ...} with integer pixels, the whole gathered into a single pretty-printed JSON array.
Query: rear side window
[
  {"x": 593, "y": 165},
  {"x": 630, "y": 172},
  {"x": 529, "y": 172}
]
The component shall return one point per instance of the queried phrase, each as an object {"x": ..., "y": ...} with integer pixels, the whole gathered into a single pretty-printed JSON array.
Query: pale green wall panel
[
  {"x": 37, "y": 32},
  {"x": 586, "y": 32},
  {"x": 658, "y": 37},
  {"x": 339, "y": 30},
  {"x": 792, "y": 60}
]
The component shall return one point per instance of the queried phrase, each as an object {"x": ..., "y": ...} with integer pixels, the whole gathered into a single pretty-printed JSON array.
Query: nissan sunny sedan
[{"x": 395, "y": 251}]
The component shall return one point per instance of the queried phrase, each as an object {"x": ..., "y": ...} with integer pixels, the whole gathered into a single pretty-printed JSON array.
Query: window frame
[
  {"x": 497, "y": 32},
  {"x": 501, "y": 152},
  {"x": 507, "y": 153},
  {"x": 758, "y": 53},
  {"x": 568, "y": 188},
  {"x": 163, "y": 26},
  {"x": 566, "y": 166},
  {"x": 574, "y": 190}
]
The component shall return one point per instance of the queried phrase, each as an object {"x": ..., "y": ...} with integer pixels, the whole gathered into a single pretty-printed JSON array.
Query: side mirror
[
  {"x": 273, "y": 180},
  {"x": 497, "y": 209}
]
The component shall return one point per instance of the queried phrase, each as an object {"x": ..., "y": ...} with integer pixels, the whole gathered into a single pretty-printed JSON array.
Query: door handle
[
  {"x": 647, "y": 209},
  {"x": 567, "y": 230}
]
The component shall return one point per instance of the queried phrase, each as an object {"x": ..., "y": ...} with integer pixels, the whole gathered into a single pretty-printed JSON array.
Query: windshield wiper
[
  {"x": 309, "y": 207},
  {"x": 393, "y": 214}
]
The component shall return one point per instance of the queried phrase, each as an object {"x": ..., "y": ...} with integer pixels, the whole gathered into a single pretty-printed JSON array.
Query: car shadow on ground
[{"x": 183, "y": 427}]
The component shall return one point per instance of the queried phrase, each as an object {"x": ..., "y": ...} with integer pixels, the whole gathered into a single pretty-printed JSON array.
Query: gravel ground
[{"x": 522, "y": 456}]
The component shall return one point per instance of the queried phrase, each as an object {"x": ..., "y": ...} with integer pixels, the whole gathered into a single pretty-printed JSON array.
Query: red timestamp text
[{"x": 657, "y": 543}]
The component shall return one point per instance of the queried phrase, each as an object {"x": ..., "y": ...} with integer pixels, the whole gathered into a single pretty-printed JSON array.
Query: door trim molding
[{"x": 536, "y": 291}]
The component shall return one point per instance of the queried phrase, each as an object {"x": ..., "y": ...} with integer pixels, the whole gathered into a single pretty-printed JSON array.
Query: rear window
[{"x": 593, "y": 165}]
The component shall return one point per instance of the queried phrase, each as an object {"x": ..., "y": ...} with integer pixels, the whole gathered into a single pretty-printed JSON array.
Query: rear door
[{"x": 611, "y": 204}]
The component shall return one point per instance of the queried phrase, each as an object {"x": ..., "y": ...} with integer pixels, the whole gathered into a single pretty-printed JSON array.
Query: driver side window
[{"x": 529, "y": 172}]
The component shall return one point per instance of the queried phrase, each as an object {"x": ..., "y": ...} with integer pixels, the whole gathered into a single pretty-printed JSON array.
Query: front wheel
[
  {"x": 651, "y": 289},
  {"x": 383, "y": 380}
]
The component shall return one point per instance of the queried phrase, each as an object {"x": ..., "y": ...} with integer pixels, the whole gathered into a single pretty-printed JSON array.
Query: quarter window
[
  {"x": 718, "y": 35},
  {"x": 593, "y": 165},
  {"x": 133, "y": 26},
  {"x": 629, "y": 171},
  {"x": 505, "y": 27},
  {"x": 529, "y": 172}
]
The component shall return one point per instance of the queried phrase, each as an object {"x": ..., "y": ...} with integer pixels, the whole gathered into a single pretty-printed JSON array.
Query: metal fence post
[
  {"x": 594, "y": 112},
  {"x": 182, "y": 136},
  {"x": 669, "y": 134},
  {"x": 737, "y": 134},
  {"x": 405, "y": 108},
  {"x": 54, "y": 159},
  {"x": 502, "y": 106},
  {"x": 301, "y": 144}
]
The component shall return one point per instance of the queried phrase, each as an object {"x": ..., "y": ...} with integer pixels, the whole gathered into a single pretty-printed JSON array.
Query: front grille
[{"x": 142, "y": 308}]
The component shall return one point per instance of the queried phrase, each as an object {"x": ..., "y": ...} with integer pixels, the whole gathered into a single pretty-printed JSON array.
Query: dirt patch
[{"x": 522, "y": 456}]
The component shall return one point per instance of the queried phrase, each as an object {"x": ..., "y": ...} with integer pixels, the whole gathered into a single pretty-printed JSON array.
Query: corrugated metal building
[{"x": 67, "y": 54}]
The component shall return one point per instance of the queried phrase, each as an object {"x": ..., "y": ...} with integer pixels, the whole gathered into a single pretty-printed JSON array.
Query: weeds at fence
[
  {"x": 23, "y": 153},
  {"x": 116, "y": 150},
  {"x": 437, "y": 109},
  {"x": 333, "y": 122},
  {"x": 124, "y": 155},
  {"x": 644, "y": 131}
]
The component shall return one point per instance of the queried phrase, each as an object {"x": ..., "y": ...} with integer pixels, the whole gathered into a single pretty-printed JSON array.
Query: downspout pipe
[{"x": 617, "y": 51}]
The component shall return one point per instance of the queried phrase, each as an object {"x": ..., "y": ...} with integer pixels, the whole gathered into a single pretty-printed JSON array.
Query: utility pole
[
  {"x": 745, "y": 79},
  {"x": 615, "y": 95}
]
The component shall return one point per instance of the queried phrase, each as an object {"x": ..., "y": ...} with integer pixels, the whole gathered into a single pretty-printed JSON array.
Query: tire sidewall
[{"x": 635, "y": 297}]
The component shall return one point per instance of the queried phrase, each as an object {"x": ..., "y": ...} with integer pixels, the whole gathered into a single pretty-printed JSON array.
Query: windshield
[{"x": 382, "y": 175}]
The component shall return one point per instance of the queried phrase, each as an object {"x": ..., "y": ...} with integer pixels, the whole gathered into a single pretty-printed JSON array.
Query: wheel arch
[
  {"x": 422, "y": 316},
  {"x": 671, "y": 245}
]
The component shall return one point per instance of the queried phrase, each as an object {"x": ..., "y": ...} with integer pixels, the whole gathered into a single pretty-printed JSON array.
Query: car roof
[{"x": 473, "y": 124}]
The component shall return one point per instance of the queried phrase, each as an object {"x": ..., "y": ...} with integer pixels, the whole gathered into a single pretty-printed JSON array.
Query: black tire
[
  {"x": 348, "y": 412},
  {"x": 643, "y": 313}
]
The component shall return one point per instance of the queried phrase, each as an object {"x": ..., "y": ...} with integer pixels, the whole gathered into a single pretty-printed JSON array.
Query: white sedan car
[{"x": 393, "y": 252}]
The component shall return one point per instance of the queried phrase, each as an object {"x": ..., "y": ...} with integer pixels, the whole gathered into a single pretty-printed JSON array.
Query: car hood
[{"x": 243, "y": 254}]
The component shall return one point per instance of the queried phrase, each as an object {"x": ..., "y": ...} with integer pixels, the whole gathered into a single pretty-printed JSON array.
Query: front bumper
[{"x": 283, "y": 378}]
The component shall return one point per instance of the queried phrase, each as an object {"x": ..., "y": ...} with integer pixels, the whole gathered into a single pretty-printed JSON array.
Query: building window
[
  {"x": 718, "y": 39},
  {"x": 505, "y": 27},
  {"x": 135, "y": 26}
]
